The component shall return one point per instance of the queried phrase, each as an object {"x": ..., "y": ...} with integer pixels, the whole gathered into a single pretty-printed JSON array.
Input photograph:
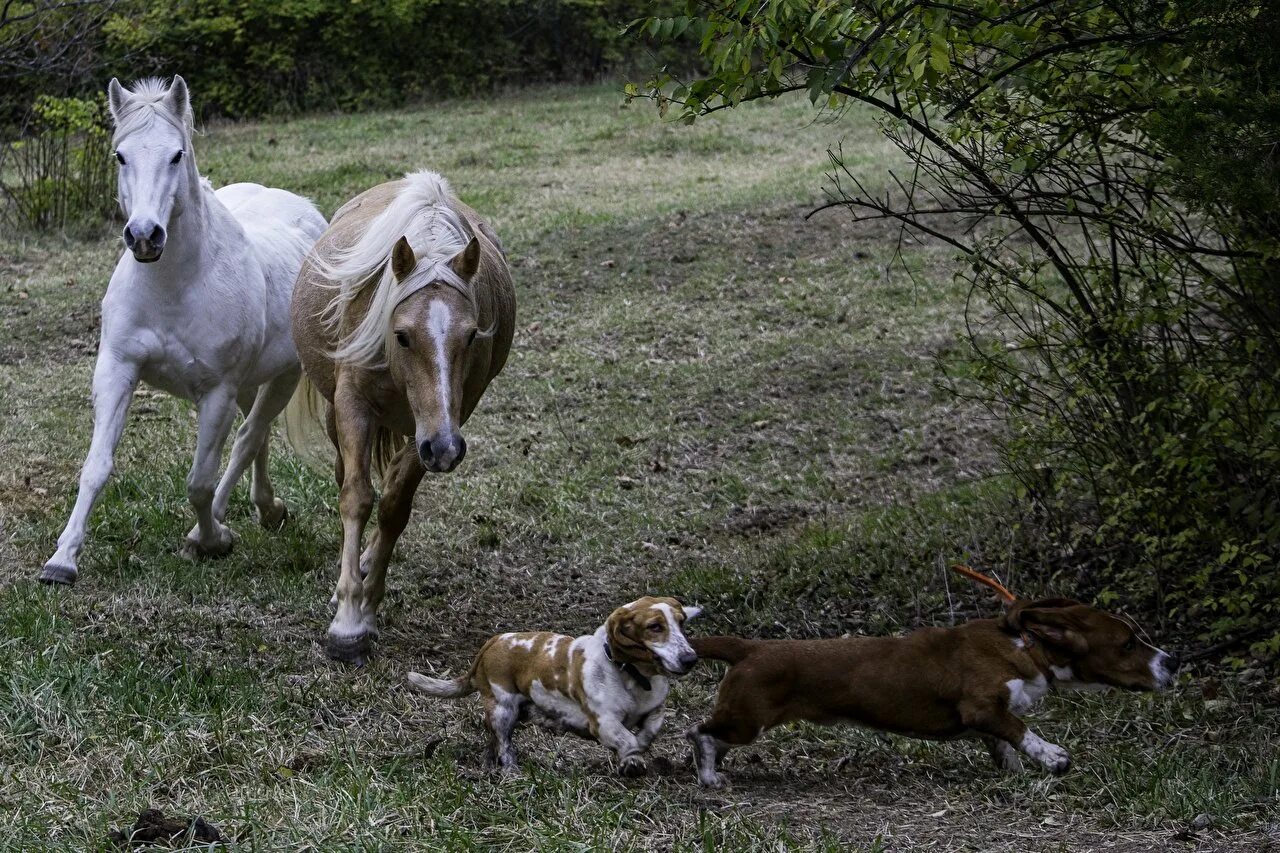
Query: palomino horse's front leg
[
  {"x": 113, "y": 384},
  {"x": 348, "y": 638},
  {"x": 399, "y": 484},
  {"x": 210, "y": 537}
]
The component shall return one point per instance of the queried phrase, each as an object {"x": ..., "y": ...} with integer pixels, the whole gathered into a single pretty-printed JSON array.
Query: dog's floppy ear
[
  {"x": 1049, "y": 619},
  {"x": 620, "y": 630}
]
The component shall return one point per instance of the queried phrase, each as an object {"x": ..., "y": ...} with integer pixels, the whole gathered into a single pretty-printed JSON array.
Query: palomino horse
[
  {"x": 419, "y": 323},
  {"x": 199, "y": 307}
]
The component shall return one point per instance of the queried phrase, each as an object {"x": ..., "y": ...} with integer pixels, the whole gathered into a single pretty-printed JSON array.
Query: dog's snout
[
  {"x": 145, "y": 239},
  {"x": 443, "y": 451},
  {"x": 687, "y": 660}
]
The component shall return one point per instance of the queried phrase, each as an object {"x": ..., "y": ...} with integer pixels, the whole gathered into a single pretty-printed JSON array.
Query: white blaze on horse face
[
  {"x": 154, "y": 175},
  {"x": 439, "y": 322}
]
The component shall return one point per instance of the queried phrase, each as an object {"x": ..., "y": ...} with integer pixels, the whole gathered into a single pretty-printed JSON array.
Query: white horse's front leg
[
  {"x": 250, "y": 442},
  {"x": 113, "y": 384},
  {"x": 210, "y": 537}
]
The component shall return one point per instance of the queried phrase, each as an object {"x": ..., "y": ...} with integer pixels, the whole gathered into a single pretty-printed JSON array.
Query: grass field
[{"x": 708, "y": 397}]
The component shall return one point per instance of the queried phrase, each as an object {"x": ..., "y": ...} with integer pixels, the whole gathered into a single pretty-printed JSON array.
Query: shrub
[
  {"x": 1115, "y": 163},
  {"x": 60, "y": 172}
]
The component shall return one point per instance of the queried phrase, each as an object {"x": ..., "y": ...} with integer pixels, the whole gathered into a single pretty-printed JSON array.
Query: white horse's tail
[
  {"x": 304, "y": 427},
  {"x": 306, "y": 432}
]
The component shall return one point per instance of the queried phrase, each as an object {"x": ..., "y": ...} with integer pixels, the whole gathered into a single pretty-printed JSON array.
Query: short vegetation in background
[
  {"x": 1108, "y": 173},
  {"x": 58, "y": 172}
]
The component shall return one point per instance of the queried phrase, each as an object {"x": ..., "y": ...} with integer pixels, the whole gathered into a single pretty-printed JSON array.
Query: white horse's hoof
[
  {"x": 224, "y": 540},
  {"x": 274, "y": 517},
  {"x": 62, "y": 574}
]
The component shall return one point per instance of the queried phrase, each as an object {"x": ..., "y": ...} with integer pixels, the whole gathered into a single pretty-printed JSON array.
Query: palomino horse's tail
[{"x": 305, "y": 430}]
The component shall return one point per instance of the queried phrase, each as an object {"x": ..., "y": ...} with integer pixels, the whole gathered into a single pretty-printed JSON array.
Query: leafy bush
[
  {"x": 247, "y": 57},
  {"x": 60, "y": 173},
  {"x": 1116, "y": 164}
]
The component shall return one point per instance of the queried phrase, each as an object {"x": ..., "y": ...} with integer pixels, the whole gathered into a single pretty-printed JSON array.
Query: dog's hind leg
[
  {"x": 729, "y": 726},
  {"x": 501, "y": 716}
]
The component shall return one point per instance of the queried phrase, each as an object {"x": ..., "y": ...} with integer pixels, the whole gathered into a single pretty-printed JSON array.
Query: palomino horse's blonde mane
[
  {"x": 422, "y": 213},
  {"x": 149, "y": 98}
]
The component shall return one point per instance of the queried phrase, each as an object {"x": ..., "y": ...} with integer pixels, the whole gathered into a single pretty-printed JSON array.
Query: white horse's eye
[
  {"x": 402, "y": 339},
  {"x": 177, "y": 158},
  {"x": 471, "y": 337},
  {"x": 120, "y": 158}
]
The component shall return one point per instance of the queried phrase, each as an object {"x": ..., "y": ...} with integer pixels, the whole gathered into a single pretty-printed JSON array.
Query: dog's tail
[
  {"x": 728, "y": 649},
  {"x": 444, "y": 688}
]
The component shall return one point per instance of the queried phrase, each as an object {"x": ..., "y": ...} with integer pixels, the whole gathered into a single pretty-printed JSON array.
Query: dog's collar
[{"x": 629, "y": 669}]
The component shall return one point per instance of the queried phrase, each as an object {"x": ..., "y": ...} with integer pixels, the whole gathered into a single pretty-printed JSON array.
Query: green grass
[{"x": 708, "y": 397}]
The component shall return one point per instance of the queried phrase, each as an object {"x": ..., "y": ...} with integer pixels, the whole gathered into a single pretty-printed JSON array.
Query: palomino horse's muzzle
[
  {"x": 145, "y": 239},
  {"x": 442, "y": 452}
]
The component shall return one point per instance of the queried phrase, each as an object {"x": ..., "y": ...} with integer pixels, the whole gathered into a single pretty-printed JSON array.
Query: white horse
[{"x": 199, "y": 307}]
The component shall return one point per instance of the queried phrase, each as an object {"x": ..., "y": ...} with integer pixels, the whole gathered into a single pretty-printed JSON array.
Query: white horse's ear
[
  {"x": 403, "y": 261},
  {"x": 691, "y": 611},
  {"x": 116, "y": 96},
  {"x": 179, "y": 99},
  {"x": 466, "y": 262}
]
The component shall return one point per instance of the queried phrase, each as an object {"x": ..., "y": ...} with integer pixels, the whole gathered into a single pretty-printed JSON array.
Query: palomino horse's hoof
[
  {"x": 352, "y": 650},
  {"x": 274, "y": 517},
  {"x": 52, "y": 573}
]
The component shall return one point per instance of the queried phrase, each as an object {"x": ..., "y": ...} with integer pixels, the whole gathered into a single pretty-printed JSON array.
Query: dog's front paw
[
  {"x": 632, "y": 766},
  {"x": 1050, "y": 756}
]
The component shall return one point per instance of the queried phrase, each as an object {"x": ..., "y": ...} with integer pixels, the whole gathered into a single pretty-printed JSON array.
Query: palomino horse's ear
[
  {"x": 466, "y": 262},
  {"x": 403, "y": 261},
  {"x": 116, "y": 96}
]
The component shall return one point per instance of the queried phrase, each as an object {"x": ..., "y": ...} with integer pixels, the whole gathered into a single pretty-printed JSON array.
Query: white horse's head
[{"x": 156, "y": 170}]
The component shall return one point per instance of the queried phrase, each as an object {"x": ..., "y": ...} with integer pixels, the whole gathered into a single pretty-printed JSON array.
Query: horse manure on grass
[{"x": 153, "y": 827}]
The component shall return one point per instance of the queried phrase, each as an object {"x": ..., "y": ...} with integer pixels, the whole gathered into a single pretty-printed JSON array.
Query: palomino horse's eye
[
  {"x": 177, "y": 158},
  {"x": 402, "y": 339},
  {"x": 120, "y": 158}
]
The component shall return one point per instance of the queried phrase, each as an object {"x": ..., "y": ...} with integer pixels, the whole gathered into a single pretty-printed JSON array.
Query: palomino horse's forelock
[
  {"x": 422, "y": 214},
  {"x": 148, "y": 100}
]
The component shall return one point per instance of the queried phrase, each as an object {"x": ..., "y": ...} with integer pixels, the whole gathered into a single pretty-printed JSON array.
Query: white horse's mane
[
  {"x": 149, "y": 98},
  {"x": 422, "y": 213}
]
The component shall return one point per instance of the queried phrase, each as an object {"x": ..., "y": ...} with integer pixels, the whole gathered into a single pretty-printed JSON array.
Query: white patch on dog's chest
[{"x": 1024, "y": 695}]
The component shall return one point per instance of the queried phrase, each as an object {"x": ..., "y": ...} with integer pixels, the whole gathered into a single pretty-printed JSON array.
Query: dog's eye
[
  {"x": 177, "y": 158},
  {"x": 119, "y": 158},
  {"x": 402, "y": 339},
  {"x": 655, "y": 627}
]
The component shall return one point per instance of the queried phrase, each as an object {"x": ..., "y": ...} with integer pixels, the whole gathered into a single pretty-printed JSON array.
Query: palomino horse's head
[
  {"x": 152, "y": 141},
  {"x": 433, "y": 332}
]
